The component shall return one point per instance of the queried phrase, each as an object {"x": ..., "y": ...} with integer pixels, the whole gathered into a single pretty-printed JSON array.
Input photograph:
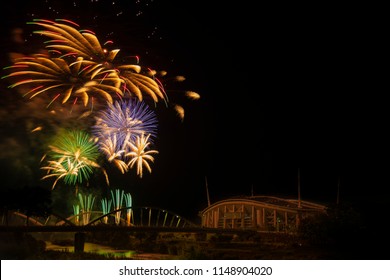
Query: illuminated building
[{"x": 263, "y": 213}]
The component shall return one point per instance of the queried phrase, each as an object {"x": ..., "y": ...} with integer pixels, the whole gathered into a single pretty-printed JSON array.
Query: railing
[{"x": 126, "y": 216}]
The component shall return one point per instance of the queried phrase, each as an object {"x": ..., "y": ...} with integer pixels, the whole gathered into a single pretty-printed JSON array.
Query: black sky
[{"x": 282, "y": 88}]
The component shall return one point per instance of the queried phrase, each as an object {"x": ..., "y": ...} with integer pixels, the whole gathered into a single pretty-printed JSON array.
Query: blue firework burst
[{"x": 124, "y": 121}]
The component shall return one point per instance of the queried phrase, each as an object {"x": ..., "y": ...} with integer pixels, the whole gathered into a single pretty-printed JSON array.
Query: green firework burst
[{"x": 73, "y": 157}]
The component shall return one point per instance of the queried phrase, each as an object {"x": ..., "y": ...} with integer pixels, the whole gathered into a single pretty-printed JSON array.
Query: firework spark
[
  {"x": 172, "y": 99},
  {"x": 71, "y": 42},
  {"x": 61, "y": 80},
  {"x": 72, "y": 157},
  {"x": 109, "y": 148},
  {"x": 124, "y": 121},
  {"x": 140, "y": 155}
]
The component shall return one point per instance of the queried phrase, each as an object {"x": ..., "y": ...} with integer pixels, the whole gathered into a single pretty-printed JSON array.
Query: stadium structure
[{"x": 262, "y": 213}]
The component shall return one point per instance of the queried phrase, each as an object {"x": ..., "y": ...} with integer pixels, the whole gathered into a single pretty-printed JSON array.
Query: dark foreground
[{"x": 189, "y": 246}]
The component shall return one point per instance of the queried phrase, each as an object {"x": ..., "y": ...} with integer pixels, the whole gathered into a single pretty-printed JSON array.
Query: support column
[{"x": 79, "y": 241}]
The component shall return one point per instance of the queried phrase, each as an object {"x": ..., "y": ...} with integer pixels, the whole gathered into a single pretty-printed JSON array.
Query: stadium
[{"x": 261, "y": 213}]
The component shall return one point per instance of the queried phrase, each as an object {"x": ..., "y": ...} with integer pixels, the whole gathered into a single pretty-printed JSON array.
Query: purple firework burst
[{"x": 125, "y": 121}]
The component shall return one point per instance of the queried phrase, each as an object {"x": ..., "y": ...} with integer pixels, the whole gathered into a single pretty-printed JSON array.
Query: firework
[
  {"x": 86, "y": 205},
  {"x": 117, "y": 200},
  {"x": 76, "y": 213},
  {"x": 108, "y": 146},
  {"x": 68, "y": 41},
  {"x": 72, "y": 157},
  {"x": 177, "y": 94},
  {"x": 78, "y": 67},
  {"x": 129, "y": 204},
  {"x": 121, "y": 123},
  {"x": 140, "y": 155},
  {"x": 106, "y": 208},
  {"x": 63, "y": 81}
]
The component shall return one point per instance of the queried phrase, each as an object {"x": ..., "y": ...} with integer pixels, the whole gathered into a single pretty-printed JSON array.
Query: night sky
[{"x": 282, "y": 88}]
